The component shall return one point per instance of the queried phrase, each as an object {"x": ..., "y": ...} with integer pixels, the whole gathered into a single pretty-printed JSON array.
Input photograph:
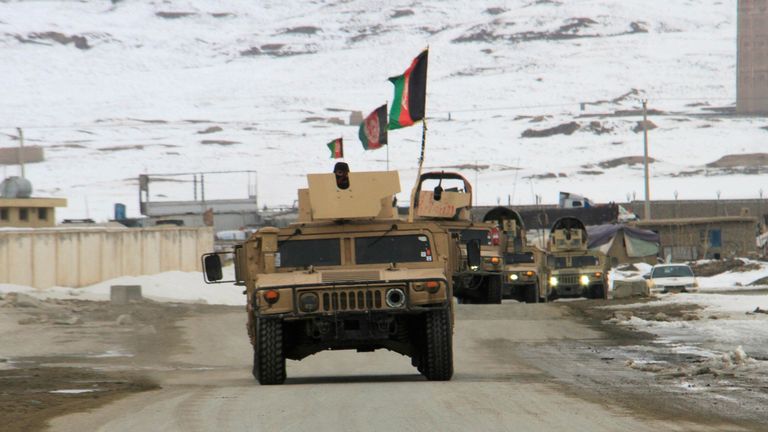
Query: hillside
[{"x": 115, "y": 90}]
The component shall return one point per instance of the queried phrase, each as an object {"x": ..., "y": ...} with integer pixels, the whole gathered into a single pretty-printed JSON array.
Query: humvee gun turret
[
  {"x": 347, "y": 275},
  {"x": 524, "y": 264},
  {"x": 572, "y": 269},
  {"x": 476, "y": 280}
]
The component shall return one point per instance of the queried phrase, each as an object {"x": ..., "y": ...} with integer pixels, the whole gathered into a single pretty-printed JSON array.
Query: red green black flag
[
  {"x": 410, "y": 93},
  {"x": 373, "y": 130},
  {"x": 337, "y": 148}
]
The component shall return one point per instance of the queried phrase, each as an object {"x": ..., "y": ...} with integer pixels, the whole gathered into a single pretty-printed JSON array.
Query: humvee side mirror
[
  {"x": 473, "y": 254},
  {"x": 212, "y": 268}
]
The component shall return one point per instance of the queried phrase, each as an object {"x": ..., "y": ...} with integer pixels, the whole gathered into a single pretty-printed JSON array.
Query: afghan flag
[
  {"x": 410, "y": 93},
  {"x": 373, "y": 130},
  {"x": 337, "y": 148}
]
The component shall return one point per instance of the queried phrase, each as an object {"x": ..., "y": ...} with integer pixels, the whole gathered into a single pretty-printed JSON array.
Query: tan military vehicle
[
  {"x": 524, "y": 264},
  {"x": 450, "y": 207},
  {"x": 572, "y": 269},
  {"x": 347, "y": 275}
]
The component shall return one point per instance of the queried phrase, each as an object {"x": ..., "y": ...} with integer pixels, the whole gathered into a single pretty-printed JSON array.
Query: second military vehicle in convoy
[
  {"x": 449, "y": 204},
  {"x": 572, "y": 269},
  {"x": 349, "y": 275}
]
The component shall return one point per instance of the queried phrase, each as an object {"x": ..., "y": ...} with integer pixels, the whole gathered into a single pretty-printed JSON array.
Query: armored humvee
[
  {"x": 572, "y": 269},
  {"x": 348, "y": 275},
  {"x": 524, "y": 264},
  {"x": 450, "y": 207}
]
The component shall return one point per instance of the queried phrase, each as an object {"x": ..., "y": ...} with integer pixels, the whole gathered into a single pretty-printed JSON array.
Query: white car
[{"x": 671, "y": 278}]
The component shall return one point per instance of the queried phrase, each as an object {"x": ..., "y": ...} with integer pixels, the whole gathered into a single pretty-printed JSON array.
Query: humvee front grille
[
  {"x": 350, "y": 300},
  {"x": 568, "y": 279}
]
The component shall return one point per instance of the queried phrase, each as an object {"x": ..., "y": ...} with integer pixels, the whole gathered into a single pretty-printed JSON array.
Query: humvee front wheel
[
  {"x": 598, "y": 292},
  {"x": 437, "y": 359},
  {"x": 494, "y": 290},
  {"x": 268, "y": 355}
]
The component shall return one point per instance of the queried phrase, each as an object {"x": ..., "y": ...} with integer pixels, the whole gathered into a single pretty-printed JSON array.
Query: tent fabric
[{"x": 602, "y": 234}]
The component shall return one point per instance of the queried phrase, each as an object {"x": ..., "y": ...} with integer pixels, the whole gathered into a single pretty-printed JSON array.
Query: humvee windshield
[
  {"x": 483, "y": 236},
  {"x": 304, "y": 253},
  {"x": 518, "y": 258},
  {"x": 392, "y": 249},
  {"x": 584, "y": 261}
]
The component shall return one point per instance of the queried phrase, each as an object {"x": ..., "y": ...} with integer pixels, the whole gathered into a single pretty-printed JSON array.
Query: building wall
[
  {"x": 12, "y": 217},
  {"x": 703, "y": 208},
  {"x": 79, "y": 257},
  {"x": 694, "y": 241},
  {"x": 752, "y": 63}
]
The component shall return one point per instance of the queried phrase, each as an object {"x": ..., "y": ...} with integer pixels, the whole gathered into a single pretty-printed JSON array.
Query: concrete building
[
  {"x": 673, "y": 209},
  {"x": 29, "y": 212},
  {"x": 752, "y": 52}
]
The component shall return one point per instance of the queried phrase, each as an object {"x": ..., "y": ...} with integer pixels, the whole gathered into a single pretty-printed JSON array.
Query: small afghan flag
[
  {"x": 373, "y": 130},
  {"x": 337, "y": 148},
  {"x": 410, "y": 93}
]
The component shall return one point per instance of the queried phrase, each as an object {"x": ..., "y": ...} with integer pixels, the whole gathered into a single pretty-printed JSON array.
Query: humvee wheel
[
  {"x": 598, "y": 292},
  {"x": 494, "y": 290},
  {"x": 437, "y": 359},
  {"x": 268, "y": 356},
  {"x": 531, "y": 295}
]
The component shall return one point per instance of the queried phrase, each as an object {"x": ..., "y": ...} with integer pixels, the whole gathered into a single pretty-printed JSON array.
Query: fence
[{"x": 76, "y": 257}]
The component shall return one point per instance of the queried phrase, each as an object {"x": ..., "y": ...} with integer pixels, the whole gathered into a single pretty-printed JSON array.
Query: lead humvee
[
  {"x": 348, "y": 275},
  {"x": 574, "y": 270},
  {"x": 450, "y": 208}
]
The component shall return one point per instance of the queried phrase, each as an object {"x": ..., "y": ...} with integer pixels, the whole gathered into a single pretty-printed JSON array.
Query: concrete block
[
  {"x": 124, "y": 294},
  {"x": 627, "y": 289}
]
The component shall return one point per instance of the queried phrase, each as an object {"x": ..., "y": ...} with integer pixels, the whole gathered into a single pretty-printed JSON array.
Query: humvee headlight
[
  {"x": 473, "y": 268},
  {"x": 395, "y": 298},
  {"x": 271, "y": 296},
  {"x": 514, "y": 277},
  {"x": 584, "y": 280},
  {"x": 553, "y": 281},
  {"x": 309, "y": 302},
  {"x": 495, "y": 260}
]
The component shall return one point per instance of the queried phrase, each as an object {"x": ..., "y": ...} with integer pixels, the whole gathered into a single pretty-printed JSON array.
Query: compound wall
[{"x": 43, "y": 258}]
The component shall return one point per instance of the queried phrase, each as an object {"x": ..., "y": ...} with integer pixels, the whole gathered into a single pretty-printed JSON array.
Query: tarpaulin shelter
[{"x": 624, "y": 244}]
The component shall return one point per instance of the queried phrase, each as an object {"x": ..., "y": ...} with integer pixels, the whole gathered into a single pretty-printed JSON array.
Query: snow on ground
[
  {"x": 172, "y": 286},
  {"x": 279, "y": 78}
]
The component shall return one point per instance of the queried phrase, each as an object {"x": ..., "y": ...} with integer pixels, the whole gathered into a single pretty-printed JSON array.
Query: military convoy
[
  {"x": 348, "y": 275},
  {"x": 351, "y": 274},
  {"x": 449, "y": 206}
]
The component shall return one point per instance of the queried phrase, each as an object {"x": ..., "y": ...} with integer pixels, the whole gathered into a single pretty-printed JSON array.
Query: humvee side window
[
  {"x": 483, "y": 236},
  {"x": 392, "y": 249},
  {"x": 560, "y": 262},
  {"x": 304, "y": 253},
  {"x": 514, "y": 258},
  {"x": 584, "y": 261}
]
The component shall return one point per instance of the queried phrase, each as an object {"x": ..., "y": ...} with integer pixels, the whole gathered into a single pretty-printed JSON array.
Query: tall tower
[{"x": 752, "y": 63}]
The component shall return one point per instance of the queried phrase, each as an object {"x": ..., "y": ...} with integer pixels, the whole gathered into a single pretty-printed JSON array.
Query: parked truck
[
  {"x": 349, "y": 275},
  {"x": 572, "y": 269}
]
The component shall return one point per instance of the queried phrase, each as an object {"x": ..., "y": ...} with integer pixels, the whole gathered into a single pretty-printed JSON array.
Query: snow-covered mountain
[{"x": 112, "y": 90}]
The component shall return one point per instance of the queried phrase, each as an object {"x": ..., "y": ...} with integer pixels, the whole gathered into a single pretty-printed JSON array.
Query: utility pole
[
  {"x": 21, "y": 152},
  {"x": 647, "y": 207}
]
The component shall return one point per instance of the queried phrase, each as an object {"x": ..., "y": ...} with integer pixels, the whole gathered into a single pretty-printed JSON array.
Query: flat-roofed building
[{"x": 29, "y": 212}]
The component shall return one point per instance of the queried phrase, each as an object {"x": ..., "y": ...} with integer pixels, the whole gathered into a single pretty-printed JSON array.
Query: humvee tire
[
  {"x": 597, "y": 292},
  {"x": 531, "y": 295},
  {"x": 494, "y": 290},
  {"x": 437, "y": 359},
  {"x": 268, "y": 355}
]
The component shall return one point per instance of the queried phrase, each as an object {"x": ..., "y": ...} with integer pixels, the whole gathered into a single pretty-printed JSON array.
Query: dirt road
[{"x": 518, "y": 367}]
